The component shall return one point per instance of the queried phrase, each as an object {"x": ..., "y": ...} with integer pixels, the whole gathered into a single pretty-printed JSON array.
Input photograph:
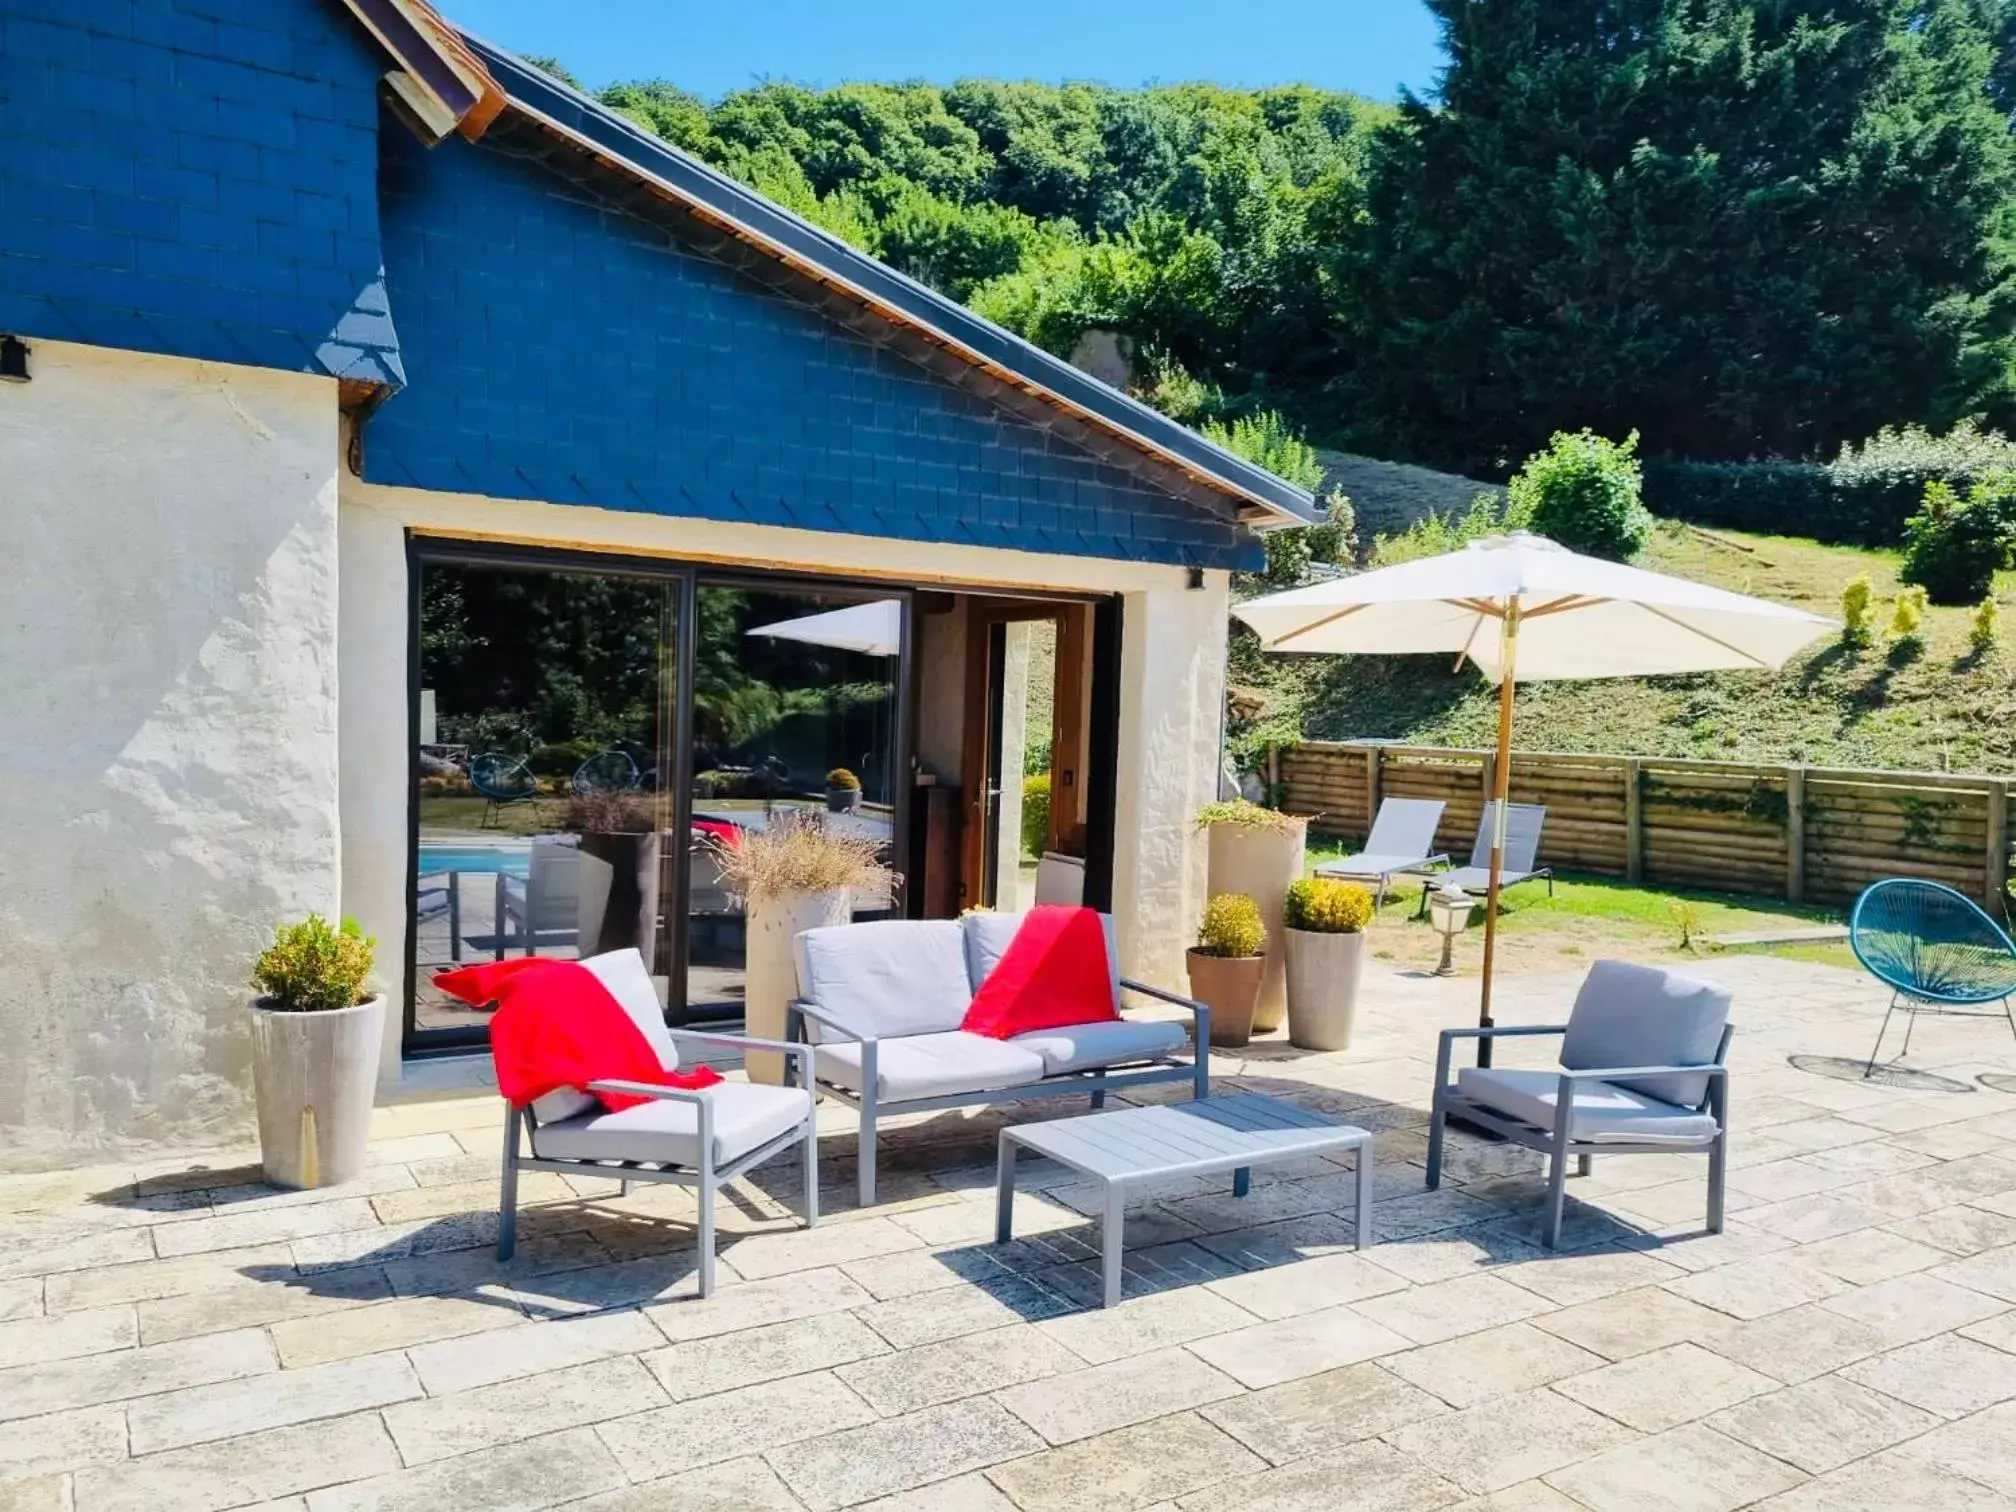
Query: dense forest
[{"x": 1741, "y": 229}]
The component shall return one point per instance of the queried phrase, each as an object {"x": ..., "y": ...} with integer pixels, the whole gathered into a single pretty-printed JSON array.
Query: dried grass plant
[{"x": 799, "y": 854}]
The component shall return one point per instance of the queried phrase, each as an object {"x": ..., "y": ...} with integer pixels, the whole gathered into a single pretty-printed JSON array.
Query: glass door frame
[{"x": 424, "y": 549}]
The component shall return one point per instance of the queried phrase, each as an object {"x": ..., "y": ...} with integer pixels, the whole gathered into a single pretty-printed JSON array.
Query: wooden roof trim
[{"x": 442, "y": 84}]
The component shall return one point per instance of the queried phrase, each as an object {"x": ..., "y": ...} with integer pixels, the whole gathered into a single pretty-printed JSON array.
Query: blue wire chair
[
  {"x": 1934, "y": 948},
  {"x": 502, "y": 779},
  {"x": 610, "y": 771}
]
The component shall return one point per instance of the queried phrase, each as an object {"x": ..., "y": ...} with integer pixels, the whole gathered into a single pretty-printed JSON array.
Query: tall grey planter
[
  {"x": 1324, "y": 971},
  {"x": 1261, "y": 863},
  {"x": 316, "y": 1077}
]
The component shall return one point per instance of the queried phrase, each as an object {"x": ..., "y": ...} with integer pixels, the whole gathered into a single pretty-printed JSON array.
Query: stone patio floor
[{"x": 178, "y": 1336}]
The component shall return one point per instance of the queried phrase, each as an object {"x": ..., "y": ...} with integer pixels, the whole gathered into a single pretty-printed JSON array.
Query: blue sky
[{"x": 710, "y": 46}]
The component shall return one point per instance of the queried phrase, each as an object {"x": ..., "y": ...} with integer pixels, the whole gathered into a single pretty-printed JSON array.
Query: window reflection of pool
[{"x": 513, "y": 860}]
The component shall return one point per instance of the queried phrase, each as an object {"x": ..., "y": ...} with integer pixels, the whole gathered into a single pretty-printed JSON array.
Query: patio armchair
[
  {"x": 1403, "y": 834},
  {"x": 1643, "y": 1071},
  {"x": 1523, "y": 822},
  {"x": 697, "y": 1138},
  {"x": 503, "y": 781},
  {"x": 880, "y": 1003},
  {"x": 1935, "y": 949},
  {"x": 541, "y": 909}
]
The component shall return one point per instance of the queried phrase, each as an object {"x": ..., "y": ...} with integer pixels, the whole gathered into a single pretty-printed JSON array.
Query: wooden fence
[{"x": 1815, "y": 834}]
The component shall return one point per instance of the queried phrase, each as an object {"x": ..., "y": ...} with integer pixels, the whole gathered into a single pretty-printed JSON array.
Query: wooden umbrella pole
[{"x": 1502, "y": 787}]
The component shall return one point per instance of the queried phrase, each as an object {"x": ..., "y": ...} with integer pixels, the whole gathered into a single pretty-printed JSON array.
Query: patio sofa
[{"x": 881, "y": 1004}]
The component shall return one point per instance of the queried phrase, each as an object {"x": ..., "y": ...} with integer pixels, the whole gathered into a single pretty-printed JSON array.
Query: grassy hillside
[{"x": 1942, "y": 709}]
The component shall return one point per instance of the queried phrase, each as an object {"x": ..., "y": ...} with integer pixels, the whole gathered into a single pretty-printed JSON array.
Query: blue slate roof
[{"x": 778, "y": 230}]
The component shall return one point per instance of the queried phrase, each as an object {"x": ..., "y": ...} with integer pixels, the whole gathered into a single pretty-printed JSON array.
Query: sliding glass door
[
  {"x": 592, "y": 735},
  {"x": 796, "y": 718},
  {"x": 546, "y": 704}
]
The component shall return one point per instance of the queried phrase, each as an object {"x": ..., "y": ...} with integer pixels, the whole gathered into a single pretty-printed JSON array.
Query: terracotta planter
[
  {"x": 1261, "y": 863},
  {"x": 316, "y": 1077},
  {"x": 1230, "y": 987},
  {"x": 843, "y": 800},
  {"x": 771, "y": 972},
  {"x": 1324, "y": 971}
]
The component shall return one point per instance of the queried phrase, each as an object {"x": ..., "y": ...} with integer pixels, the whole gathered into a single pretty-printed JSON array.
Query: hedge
[{"x": 1789, "y": 498}]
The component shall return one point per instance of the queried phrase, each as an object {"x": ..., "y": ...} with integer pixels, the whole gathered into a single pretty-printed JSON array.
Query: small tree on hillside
[{"x": 1583, "y": 491}]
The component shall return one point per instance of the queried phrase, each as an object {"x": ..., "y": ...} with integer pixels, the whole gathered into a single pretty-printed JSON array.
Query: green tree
[{"x": 1746, "y": 228}]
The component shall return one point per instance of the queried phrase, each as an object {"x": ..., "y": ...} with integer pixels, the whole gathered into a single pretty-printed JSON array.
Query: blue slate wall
[
  {"x": 559, "y": 349},
  {"x": 196, "y": 178}
]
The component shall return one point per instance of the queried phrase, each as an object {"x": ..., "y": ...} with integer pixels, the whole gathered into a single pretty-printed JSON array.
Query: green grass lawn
[
  {"x": 1589, "y": 917},
  {"x": 1942, "y": 708}
]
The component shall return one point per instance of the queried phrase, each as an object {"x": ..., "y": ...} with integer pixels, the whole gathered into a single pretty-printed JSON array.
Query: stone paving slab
[{"x": 175, "y": 1335}]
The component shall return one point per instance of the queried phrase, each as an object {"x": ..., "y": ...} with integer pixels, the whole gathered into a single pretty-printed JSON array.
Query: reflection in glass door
[
  {"x": 795, "y": 718},
  {"x": 544, "y": 789}
]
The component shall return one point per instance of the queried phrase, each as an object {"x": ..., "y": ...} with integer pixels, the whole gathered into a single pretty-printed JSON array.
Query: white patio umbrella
[
  {"x": 875, "y": 628},
  {"x": 1523, "y": 609}
]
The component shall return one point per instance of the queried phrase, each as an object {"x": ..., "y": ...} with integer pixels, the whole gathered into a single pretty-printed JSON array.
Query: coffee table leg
[
  {"x": 1110, "y": 1238},
  {"x": 1361, "y": 1228},
  {"x": 1004, "y": 1190},
  {"x": 1242, "y": 1181}
]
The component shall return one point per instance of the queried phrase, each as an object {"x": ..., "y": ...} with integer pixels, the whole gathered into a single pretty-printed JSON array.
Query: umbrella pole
[{"x": 1501, "y": 785}]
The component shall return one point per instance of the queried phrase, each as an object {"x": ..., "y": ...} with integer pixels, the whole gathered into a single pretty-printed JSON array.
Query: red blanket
[
  {"x": 1053, "y": 974},
  {"x": 557, "y": 1026}
]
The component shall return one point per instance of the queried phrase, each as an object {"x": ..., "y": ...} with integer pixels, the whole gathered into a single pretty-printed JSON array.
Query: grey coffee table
[{"x": 1128, "y": 1146}]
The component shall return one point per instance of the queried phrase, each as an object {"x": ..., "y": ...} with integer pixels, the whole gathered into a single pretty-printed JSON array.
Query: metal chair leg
[
  {"x": 1557, "y": 1196},
  {"x": 812, "y": 1167},
  {"x": 1910, "y": 1023},
  {"x": 1717, "y": 1169},
  {"x": 706, "y": 1231},
  {"x": 507, "y": 1196},
  {"x": 1584, "y": 1164},
  {"x": 1883, "y": 1029},
  {"x": 1438, "y": 1117}
]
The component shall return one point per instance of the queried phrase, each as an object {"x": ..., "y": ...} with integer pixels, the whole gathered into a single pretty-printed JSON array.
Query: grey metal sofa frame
[
  {"x": 1096, "y": 1082},
  {"x": 1559, "y": 1142},
  {"x": 519, "y": 1122}
]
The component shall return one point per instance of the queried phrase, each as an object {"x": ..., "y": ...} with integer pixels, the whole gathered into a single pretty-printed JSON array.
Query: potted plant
[
  {"x": 794, "y": 874},
  {"x": 619, "y": 870},
  {"x": 316, "y": 1031},
  {"x": 1258, "y": 852},
  {"x": 1325, "y": 951},
  {"x": 1226, "y": 966},
  {"x": 843, "y": 791}
]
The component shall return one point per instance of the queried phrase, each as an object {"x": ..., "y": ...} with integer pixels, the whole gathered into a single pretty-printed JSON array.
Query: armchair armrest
[
  {"x": 799, "y": 1054},
  {"x": 1613, "y": 1073},
  {"x": 1200, "y": 1013},
  {"x": 649, "y": 1089},
  {"x": 1446, "y": 1043},
  {"x": 800, "y": 1010}
]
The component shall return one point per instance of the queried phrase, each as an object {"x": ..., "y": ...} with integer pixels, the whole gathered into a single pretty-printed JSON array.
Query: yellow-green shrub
[
  {"x": 314, "y": 966},
  {"x": 842, "y": 780},
  {"x": 1323, "y": 905},
  {"x": 1855, "y": 598},
  {"x": 1985, "y": 628},
  {"x": 1232, "y": 927}
]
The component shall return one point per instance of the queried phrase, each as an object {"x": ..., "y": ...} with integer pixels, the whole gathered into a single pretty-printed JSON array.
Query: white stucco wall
[
  {"x": 168, "y": 760},
  {"x": 1173, "y": 692}
]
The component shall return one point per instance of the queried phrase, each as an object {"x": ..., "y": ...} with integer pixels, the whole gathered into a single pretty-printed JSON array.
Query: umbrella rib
[
  {"x": 1468, "y": 641},
  {"x": 1714, "y": 640},
  {"x": 1313, "y": 626},
  {"x": 1560, "y": 605}
]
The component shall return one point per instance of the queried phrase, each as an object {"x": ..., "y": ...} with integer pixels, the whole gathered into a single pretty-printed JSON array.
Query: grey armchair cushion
[
  {"x": 629, "y": 981},
  {"x": 1080, "y": 1047},
  {"x": 1603, "y": 1110},
  {"x": 1628, "y": 1015},
  {"x": 988, "y": 936},
  {"x": 889, "y": 977},
  {"x": 668, "y": 1132},
  {"x": 931, "y": 1065}
]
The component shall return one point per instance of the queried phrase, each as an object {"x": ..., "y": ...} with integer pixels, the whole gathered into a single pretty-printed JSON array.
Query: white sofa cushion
[
  {"x": 624, "y": 973},
  {"x": 1627, "y": 1015},
  {"x": 886, "y": 978},
  {"x": 932, "y": 1065},
  {"x": 1079, "y": 1047},
  {"x": 1602, "y": 1110},
  {"x": 667, "y": 1130},
  {"x": 987, "y": 937}
]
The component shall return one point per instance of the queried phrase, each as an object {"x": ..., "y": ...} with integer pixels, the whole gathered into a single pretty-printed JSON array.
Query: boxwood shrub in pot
[
  {"x": 317, "y": 1027},
  {"x": 1226, "y": 966},
  {"x": 1325, "y": 939}
]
